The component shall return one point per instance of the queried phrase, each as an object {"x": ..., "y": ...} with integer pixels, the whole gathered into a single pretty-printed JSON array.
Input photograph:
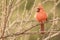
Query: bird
[{"x": 41, "y": 17}]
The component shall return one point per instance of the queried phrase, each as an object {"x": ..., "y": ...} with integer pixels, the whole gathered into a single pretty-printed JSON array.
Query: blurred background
[{"x": 17, "y": 20}]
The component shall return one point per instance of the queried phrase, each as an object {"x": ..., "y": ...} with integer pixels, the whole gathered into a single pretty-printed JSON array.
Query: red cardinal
[{"x": 41, "y": 17}]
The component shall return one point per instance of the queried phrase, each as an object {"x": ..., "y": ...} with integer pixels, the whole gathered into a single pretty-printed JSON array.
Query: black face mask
[{"x": 38, "y": 9}]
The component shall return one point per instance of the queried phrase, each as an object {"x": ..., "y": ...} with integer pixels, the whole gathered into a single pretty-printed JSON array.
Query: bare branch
[
  {"x": 52, "y": 36},
  {"x": 16, "y": 34}
]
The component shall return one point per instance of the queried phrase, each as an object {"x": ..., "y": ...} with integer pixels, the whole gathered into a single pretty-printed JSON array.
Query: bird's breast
[{"x": 41, "y": 17}]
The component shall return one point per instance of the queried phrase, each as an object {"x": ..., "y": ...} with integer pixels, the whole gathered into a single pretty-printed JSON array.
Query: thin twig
[
  {"x": 16, "y": 34},
  {"x": 5, "y": 17},
  {"x": 14, "y": 22},
  {"x": 21, "y": 32},
  {"x": 52, "y": 36}
]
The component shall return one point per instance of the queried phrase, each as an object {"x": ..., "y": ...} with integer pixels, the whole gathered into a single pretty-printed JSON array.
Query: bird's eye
[{"x": 38, "y": 9}]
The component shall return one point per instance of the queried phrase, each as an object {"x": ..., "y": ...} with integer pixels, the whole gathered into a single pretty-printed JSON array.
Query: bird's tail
[{"x": 42, "y": 28}]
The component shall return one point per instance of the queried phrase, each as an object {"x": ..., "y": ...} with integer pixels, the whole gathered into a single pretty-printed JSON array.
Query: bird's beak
[{"x": 38, "y": 9}]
